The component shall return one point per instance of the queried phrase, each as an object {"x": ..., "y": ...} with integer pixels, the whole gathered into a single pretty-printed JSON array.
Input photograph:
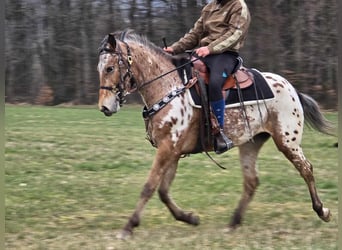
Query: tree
[{"x": 51, "y": 46}]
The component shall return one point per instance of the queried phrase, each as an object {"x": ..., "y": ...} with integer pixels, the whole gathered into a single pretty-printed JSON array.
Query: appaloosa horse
[{"x": 129, "y": 62}]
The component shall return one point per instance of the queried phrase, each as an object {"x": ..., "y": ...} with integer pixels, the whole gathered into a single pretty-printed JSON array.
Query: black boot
[{"x": 222, "y": 143}]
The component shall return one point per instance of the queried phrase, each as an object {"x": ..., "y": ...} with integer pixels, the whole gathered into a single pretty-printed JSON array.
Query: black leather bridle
[{"x": 128, "y": 75}]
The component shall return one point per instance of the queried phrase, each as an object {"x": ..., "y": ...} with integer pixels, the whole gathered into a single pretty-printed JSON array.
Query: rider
[{"x": 218, "y": 34}]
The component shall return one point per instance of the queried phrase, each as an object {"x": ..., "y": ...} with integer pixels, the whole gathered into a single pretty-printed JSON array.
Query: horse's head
[{"x": 116, "y": 78}]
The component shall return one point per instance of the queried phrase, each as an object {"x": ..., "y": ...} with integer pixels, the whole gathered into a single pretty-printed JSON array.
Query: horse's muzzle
[{"x": 106, "y": 111}]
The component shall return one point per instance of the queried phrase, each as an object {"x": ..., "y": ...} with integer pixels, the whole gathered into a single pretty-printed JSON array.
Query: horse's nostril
[{"x": 104, "y": 109}]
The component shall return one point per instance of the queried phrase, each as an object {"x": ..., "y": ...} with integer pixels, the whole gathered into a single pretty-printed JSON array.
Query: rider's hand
[
  {"x": 168, "y": 50},
  {"x": 202, "y": 51}
]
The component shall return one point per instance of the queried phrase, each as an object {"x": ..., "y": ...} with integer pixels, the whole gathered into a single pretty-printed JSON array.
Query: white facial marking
[{"x": 102, "y": 62}]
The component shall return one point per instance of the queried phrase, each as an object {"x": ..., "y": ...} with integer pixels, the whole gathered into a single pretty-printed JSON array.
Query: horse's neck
[{"x": 149, "y": 71}]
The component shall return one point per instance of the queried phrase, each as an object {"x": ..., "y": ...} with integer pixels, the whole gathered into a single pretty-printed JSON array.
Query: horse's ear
[{"x": 111, "y": 40}]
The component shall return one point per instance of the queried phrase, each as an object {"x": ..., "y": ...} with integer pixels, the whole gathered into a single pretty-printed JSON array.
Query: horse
[{"x": 129, "y": 62}]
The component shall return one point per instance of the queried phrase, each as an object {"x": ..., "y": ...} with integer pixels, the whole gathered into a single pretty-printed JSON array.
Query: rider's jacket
[{"x": 221, "y": 26}]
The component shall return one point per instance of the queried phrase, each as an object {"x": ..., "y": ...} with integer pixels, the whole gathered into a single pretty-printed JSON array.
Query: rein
[{"x": 166, "y": 73}]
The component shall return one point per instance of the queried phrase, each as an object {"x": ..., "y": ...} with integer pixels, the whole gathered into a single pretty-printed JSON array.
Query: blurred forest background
[{"x": 51, "y": 46}]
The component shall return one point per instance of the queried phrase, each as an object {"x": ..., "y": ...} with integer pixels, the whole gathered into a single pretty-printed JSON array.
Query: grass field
[{"x": 73, "y": 177}]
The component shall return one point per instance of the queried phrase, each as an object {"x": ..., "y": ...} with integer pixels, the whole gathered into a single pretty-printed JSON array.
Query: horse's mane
[{"x": 128, "y": 35}]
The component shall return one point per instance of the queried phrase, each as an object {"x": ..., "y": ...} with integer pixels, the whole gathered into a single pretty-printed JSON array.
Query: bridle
[{"x": 123, "y": 76}]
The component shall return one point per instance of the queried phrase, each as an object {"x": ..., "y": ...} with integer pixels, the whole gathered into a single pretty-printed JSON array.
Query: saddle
[
  {"x": 240, "y": 78},
  {"x": 242, "y": 85},
  {"x": 239, "y": 75}
]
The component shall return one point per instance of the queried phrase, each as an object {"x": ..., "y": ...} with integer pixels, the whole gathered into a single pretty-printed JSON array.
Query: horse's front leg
[
  {"x": 164, "y": 196},
  {"x": 163, "y": 159}
]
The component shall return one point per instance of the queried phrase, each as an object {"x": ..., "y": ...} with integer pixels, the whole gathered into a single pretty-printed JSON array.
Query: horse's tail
[{"x": 313, "y": 115}]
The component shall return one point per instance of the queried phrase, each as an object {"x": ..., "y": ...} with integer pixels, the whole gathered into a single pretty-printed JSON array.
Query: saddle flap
[
  {"x": 242, "y": 76},
  {"x": 199, "y": 65},
  {"x": 201, "y": 68}
]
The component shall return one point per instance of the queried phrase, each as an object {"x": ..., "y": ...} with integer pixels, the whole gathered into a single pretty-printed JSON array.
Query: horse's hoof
[
  {"x": 193, "y": 219},
  {"x": 124, "y": 235},
  {"x": 326, "y": 215}
]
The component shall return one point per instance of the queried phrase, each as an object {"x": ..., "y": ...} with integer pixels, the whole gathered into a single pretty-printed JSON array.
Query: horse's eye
[{"x": 109, "y": 69}]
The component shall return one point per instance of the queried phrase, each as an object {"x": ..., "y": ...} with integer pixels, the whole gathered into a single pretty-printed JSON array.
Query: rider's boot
[{"x": 221, "y": 142}]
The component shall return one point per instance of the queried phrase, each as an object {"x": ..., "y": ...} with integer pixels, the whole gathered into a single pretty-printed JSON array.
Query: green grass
[{"x": 73, "y": 176}]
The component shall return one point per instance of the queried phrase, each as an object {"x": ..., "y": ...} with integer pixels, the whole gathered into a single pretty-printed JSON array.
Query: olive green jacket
[{"x": 220, "y": 27}]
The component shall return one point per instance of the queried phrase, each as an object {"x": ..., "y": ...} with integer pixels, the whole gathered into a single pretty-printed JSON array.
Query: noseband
[{"x": 123, "y": 77}]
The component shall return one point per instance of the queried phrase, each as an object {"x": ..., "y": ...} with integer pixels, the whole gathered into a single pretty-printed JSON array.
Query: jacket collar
[{"x": 222, "y": 2}]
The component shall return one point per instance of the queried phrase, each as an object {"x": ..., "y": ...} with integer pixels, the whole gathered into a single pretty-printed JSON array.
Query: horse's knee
[
  {"x": 251, "y": 185},
  {"x": 255, "y": 182},
  {"x": 147, "y": 191}
]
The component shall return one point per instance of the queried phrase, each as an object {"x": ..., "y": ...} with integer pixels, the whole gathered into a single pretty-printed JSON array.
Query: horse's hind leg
[
  {"x": 248, "y": 155},
  {"x": 164, "y": 196},
  {"x": 294, "y": 153}
]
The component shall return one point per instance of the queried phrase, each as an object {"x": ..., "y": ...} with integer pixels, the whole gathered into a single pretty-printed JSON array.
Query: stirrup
[{"x": 222, "y": 143}]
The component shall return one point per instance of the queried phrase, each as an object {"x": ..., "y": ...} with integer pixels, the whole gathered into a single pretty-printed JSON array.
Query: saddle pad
[{"x": 259, "y": 90}]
